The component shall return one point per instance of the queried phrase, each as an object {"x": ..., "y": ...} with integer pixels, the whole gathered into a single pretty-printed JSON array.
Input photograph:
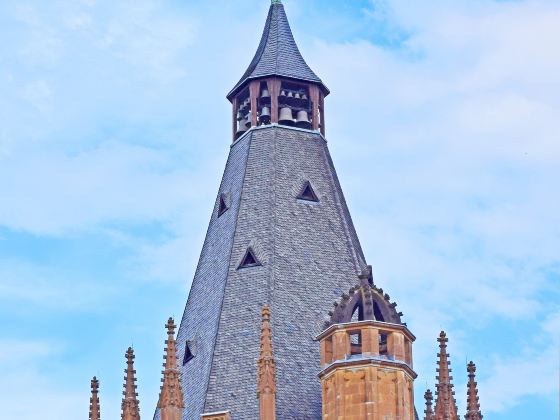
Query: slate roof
[
  {"x": 310, "y": 255},
  {"x": 278, "y": 53}
]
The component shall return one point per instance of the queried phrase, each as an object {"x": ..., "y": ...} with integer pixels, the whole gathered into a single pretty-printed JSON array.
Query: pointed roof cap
[
  {"x": 278, "y": 53},
  {"x": 171, "y": 394},
  {"x": 473, "y": 405},
  {"x": 129, "y": 406},
  {"x": 428, "y": 396},
  {"x": 371, "y": 302},
  {"x": 446, "y": 406}
]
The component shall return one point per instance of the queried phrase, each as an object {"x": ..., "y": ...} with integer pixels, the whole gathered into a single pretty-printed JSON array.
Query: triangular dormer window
[
  {"x": 223, "y": 205},
  {"x": 249, "y": 260},
  {"x": 308, "y": 194},
  {"x": 188, "y": 354}
]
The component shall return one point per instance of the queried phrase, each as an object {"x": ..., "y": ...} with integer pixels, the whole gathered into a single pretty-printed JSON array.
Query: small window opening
[
  {"x": 383, "y": 338},
  {"x": 223, "y": 207},
  {"x": 249, "y": 260},
  {"x": 188, "y": 354},
  {"x": 377, "y": 312},
  {"x": 358, "y": 314},
  {"x": 356, "y": 342},
  {"x": 308, "y": 194}
]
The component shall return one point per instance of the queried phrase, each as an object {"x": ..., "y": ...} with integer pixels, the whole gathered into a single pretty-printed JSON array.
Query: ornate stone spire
[
  {"x": 473, "y": 406},
  {"x": 94, "y": 409},
  {"x": 130, "y": 408},
  {"x": 266, "y": 390},
  {"x": 429, "y": 411},
  {"x": 446, "y": 408},
  {"x": 171, "y": 396}
]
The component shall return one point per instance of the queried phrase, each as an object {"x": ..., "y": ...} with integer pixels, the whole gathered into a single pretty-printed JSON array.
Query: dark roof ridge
[{"x": 278, "y": 53}]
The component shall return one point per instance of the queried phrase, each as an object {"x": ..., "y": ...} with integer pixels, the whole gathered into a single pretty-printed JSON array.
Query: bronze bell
[
  {"x": 265, "y": 115},
  {"x": 283, "y": 93},
  {"x": 298, "y": 96},
  {"x": 302, "y": 120},
  {"x": 265, "y": 93},
  {"x": 286, "y": 116},
  {"x": 242, "y": 126},
  {"x": 290, "y": 94},
  {"x": 249, "y": 118},
  {"x": 303, "y": 96}
]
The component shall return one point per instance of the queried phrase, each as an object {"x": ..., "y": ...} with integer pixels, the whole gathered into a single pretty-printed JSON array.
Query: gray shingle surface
[
  {"x": 310, "y": 254},
  {"x": 278, "y": 53}
]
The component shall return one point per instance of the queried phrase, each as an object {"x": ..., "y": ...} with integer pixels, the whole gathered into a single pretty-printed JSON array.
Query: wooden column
[
  {"x": 254, "y": 92},
  {"x": 322, "y": 108},
  {"x": 235, "y": 105},
  {"x": 314, "y": 96},
  {"x": 274, "y": 89}
]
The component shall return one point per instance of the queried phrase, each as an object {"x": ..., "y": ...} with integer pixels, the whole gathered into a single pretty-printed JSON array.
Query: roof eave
[{"x": 243, "y": 83}]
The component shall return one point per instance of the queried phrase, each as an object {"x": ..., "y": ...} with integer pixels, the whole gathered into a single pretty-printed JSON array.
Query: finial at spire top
[
  {"x": 171, "y": 400},
  {"x": 170, "y": 326},
  {"x": 276, "y": 1},
  {"x": 129, "y": 406},
  {"x": 473, "y": 405}
]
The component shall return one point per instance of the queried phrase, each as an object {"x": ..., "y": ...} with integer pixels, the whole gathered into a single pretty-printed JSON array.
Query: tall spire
[
  {"x": 473, "y": 406},
  {"x": 171, "y": 396},
  {"x": 266, "y": 390},
  {"x": 446, "y": 408},
  {"x": 130, "y": 408},
  {"x": 94, "y": 409},
  {"x": 429, "y": 411},
  {"x": 278, "y": 53}
]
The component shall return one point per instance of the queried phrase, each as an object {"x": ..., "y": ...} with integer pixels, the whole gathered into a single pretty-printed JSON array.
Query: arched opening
[{"x": 377, "y": 312}]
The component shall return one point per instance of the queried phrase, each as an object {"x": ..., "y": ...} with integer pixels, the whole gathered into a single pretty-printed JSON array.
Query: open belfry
[{"x": 260, "y": 337}]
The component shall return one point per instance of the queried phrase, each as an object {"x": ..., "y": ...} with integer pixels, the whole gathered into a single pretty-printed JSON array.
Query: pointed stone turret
[
  {"x": 130, "y": 407},
  {"x": 171, "y": 396},
  {"x": 473, "y": 406},
  {"x": 266, "y": 389},
  {"x": 94, "y": 408},
  {"x": 429, "y": 410},
  {"x": 446, "y": 408}
]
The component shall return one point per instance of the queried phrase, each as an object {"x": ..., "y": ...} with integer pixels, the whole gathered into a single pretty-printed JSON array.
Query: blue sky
[{"x": 442, "y": 124}]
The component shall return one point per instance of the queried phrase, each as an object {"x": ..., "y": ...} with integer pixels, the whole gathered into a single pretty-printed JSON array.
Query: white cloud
[
  {"x": 454, "y": 139},
  {"x": 533, "y": 372}
]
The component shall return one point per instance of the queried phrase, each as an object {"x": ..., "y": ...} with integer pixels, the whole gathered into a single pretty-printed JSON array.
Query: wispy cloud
[{"x": 442, "y": 124}]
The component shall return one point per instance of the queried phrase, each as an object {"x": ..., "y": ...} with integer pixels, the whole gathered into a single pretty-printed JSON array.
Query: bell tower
[
  {"x": 278, "y": 86},
  {"x": 280, "y": 236}
]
